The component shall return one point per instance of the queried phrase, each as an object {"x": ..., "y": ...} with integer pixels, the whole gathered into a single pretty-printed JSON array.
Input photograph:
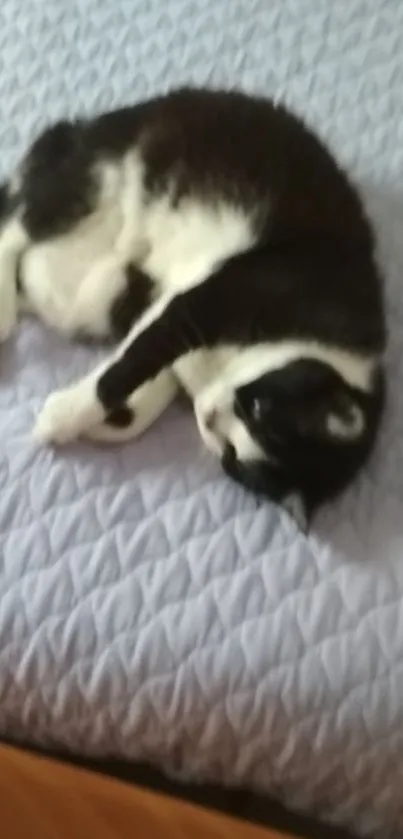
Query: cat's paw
[
  {"x": 56, "y": 421},
  {"x": 69, "y": 413},
  {"x": 8, "y": 309}
]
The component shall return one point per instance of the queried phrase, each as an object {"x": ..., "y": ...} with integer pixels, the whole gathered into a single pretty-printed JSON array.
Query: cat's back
[
  {"x": 251, "y": 151},
  {"x": 218, "y": 138}
]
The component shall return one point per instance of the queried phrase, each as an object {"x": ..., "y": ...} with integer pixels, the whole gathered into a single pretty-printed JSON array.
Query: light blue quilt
[{"x": 148, "y": 607}]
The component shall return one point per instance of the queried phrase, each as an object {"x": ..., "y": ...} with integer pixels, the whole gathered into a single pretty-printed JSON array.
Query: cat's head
[{"x": 299, "y": 434}]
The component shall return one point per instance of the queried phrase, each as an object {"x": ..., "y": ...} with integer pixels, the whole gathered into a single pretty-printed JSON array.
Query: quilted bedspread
[{"x": 149, "y": 608}]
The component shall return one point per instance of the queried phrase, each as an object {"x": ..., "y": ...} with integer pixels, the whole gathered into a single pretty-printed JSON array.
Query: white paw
[
  {"x": 56, "y": 421},
  {"x": 8, "y": 310},
  {"x": 68, "y": 413}
]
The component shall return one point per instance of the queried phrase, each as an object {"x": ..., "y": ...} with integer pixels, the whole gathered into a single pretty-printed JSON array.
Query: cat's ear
[{"x": 296, "y": 507}]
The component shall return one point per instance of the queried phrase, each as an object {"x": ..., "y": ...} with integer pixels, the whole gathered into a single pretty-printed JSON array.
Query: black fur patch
[
  {"x": 59, "y": 183},
  {"x": 121, "y": 417},
  {"x": 132, "y": 302},
  {"x": 4, "y": 202},
  {"x": 256, "y": 154},
  {"x": 110, "y": 135}
]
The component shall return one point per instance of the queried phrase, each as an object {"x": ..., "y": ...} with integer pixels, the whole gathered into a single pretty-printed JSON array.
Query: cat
[{"x": 216, "y": 239}]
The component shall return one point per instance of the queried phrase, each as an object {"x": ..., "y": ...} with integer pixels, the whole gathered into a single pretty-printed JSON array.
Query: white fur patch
[
  {"x": 188, "y": 241},
  {"x": 73, "y": 280},
  {"x": 252, "y": 362}
]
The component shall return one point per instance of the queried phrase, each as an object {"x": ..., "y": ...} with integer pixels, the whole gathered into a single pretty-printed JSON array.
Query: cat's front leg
[
  {"x": 172, "y": 327},
  {"x": 166, "y": 331},
  {"x": 67, "y": 414}
]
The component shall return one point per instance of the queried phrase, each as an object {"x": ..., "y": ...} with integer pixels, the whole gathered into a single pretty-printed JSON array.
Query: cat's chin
[{"x": 206, "y": 418}]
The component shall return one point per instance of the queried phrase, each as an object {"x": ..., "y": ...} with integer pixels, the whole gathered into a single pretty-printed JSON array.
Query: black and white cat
[{"x": 216, "y": 236}]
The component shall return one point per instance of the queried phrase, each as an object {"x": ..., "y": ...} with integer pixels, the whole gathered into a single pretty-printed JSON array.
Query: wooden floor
[{"x": 254, "y": 808}]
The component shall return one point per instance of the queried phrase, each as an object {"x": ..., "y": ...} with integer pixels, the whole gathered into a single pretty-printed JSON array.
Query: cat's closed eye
[{"x": 258, "y": 409}]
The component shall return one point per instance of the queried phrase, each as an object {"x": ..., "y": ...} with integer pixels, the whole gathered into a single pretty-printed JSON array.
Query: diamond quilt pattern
[{"x": 149, "y": 608}]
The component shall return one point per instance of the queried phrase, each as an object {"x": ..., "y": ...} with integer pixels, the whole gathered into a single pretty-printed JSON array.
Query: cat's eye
[
  {"x": 257, "y": 409},
  {"x": 260, "y": 408}
]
